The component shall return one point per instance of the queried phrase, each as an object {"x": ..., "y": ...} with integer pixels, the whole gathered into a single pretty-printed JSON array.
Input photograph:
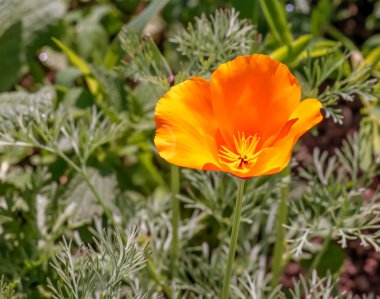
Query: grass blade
[{"x": 274, "y": 13}]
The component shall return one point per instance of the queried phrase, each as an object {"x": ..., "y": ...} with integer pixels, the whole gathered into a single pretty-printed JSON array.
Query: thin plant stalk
[
  {"x": 152, "y": 269},
  {"x": 159, "y": 280},
  {"x": 234, "y": 238},
  {"x": 82, "y": 172},
  {"x": 278, "y": 262},
  {"x": 176, "y": 216}
]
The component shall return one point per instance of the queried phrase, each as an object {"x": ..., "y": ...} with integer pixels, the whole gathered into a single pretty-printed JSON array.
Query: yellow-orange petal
[
  {"x": 253, "y": 94},
  {"x": 275, "y": 158},
  {"x": 185, "y": 127},
  {"x": 270, "y": 160},
  {"x": 307, "y": 115}
]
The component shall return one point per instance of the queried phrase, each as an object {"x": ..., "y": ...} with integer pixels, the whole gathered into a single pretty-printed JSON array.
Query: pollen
[{"x": 244, "y": 155}]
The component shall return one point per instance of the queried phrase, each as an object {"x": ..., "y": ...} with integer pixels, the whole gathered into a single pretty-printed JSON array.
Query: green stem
[
  {"x": 320, "y": 254},
  {"x": 151, "y": 266},
  {"x": 82, "y": 172},
  {"x": 234, "y": 238},
  {"x": 158, "y": 279},
  {"x": 176, "y": 216},
  {"x": 334, "y": 32},
  {"x": 280, "y": 245},
  {"x": 105, "y": 209}
]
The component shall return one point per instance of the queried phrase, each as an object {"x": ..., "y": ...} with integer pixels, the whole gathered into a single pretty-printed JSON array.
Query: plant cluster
[{"x": 86, "y": 204}]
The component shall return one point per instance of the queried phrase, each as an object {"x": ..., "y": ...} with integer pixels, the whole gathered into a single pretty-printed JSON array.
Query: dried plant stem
[
  {"x": 234, "y": 238},
  {"x": 280, "y": 246},
  {"x": 176, "y": 216}
]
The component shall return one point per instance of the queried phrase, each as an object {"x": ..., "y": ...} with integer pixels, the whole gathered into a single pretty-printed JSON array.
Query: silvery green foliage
[
  {"x": 320, "y": 288},
  {"x": 252, "y": 287},
  {"x": 358, "y": 82},
  {"x": 213, "y": 193},
  {"x": 330, "y": 201},
  {"x": 30, "y": 121},
  {"x": 102, "y": 271},
  {"x": 6, "y": 289},
  {"x": 24, "y": 27},
  {"x": 210, "y": 192},
  {"x": 201, "y": 272},
  {"x": 208, "y": 43},
  {"x": 146, "y": 61},
  {"x": 334, "y": 203},
  {"x": 216, "y": 39},
  {"x": 61, "y": 132},
  {"x": 16, "y": 107},
  {"x": 41, "y": 14},
  {"x": 79, "y": 200}
]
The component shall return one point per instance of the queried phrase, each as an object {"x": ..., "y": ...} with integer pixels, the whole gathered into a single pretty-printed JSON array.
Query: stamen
[{"x": 244, "y": 154}]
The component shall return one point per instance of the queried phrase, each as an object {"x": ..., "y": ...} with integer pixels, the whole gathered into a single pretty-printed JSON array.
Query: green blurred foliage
[{"x": 79, "y": 80}]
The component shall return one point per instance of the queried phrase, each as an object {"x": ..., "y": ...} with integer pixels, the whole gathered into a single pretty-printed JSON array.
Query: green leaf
[
  {"x": 91, "y": 37},
  {"x": 93, "y": 85},
  {"x": 112, "y": 86},
  {"x": 35, "y": 15},
  {"x": 367, "y": 143},
  {"x": 67, "y": 76},
  {"x": 24, "y": 27},
  {"x": 81, "y": 199},
  {"x": 115, "y": 52},
  {"x": 146, "y": 61},
  {"x": 144, "y": 18},
  {"x": 275, "y": 15},
  {"x": 6, "y": 289},
  {"x": 289, "y": 53},
  {"x": 371, "y": 43},
  {"x": 146, "y": 159},
  {"x": 320, "y": 16},
  {"x": 348, "y": 43},
  {"x": 247, "y": 9},
  {"x": 12, "y": 57},
  {"x": 376, "y": 138},
  {"x": 372, "y": 58},
  {"x": 332, "y": 260},
  {"x": 157, "y": 56},
  {"x": 15, "y": 104},
  {"x": 322, "y": 48},
  {"x": 215, "y": 39}
]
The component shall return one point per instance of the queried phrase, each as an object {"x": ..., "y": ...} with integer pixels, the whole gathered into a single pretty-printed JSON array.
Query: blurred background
[
  {"x": 79, "y": 81},
  {"x": 89, "y": 26}
]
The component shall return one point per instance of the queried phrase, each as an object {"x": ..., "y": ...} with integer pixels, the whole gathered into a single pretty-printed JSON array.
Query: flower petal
[
  {"x": 269, "y": 161},
  {"x": 184, "y": 125},
  {"x": 253, "y": 94},
  {"x": 273, "y": 159},
  {"x": 307, "y": 115}
]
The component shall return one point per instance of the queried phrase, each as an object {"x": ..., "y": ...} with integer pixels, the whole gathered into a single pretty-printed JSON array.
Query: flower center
[{"x": 244, "y": 153}]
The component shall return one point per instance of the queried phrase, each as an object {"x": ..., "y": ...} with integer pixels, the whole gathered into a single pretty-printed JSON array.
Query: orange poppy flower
[{"x": 245, "y": 120}]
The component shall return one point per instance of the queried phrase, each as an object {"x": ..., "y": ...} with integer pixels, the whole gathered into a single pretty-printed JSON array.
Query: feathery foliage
[
  {"x": 78, "y": 167},
  {"x": 97, "y": 272}
]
